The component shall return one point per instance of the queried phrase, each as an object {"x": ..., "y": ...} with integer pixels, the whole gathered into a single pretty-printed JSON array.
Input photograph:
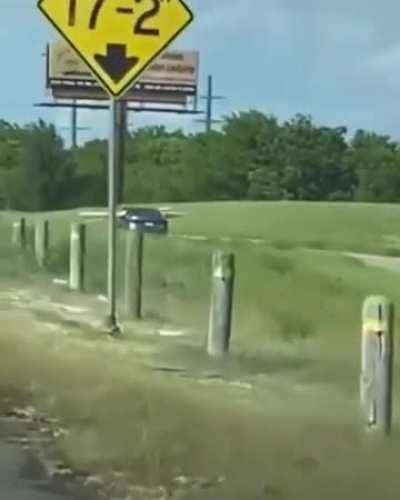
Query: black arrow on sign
[{"x": 115, "y": 63}]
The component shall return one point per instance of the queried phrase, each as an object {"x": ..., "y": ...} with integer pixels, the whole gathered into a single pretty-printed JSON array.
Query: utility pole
[
  {"x": 74, "y": 128},
  {"x": 210, "y": 98}
]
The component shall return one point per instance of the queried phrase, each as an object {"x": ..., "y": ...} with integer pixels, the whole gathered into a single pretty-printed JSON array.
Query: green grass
[
  {"x": 371, "y": 228},
  {"x": 284, "y": 294},
  {"x": 343, "y": 226},
  {"x": 296, "y": 335},
  {"x": 270, "y": 285}
]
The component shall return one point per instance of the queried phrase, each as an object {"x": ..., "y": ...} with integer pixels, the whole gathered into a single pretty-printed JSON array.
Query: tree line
[{"x": 252, "y": 157}]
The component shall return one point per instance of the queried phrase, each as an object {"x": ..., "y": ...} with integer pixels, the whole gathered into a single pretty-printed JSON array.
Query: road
[
  {"x": 388, "y": 263},
  {"x": 20, "y": 477},
  {"x": 382, "y": 261}
]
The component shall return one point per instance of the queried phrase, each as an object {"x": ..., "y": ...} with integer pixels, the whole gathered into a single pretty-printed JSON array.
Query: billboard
[{"x": 171, "y": 79}]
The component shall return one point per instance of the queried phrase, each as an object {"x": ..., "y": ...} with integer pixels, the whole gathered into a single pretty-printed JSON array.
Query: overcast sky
[{"x": 338, "y": 61}]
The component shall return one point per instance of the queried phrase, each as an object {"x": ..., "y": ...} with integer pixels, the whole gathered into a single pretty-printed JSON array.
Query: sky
[{"x": 337, "y": 61}]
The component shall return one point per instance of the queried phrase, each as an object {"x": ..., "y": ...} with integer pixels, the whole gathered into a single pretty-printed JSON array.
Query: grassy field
[
  {"x": 369, "y": 228},
  {"x": 296, "y": 336},
  {"x": 286, "y": 293},
  {"x": 340, "y": 226}
]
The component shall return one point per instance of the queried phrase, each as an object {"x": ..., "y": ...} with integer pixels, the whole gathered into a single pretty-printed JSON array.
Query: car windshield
[{"x": 147, "y": 213}]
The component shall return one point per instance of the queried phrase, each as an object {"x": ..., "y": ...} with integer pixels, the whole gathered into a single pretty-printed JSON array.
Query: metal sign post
[
  {"x": 112, "y": 214},
  {"x": 117, "y": 45}
]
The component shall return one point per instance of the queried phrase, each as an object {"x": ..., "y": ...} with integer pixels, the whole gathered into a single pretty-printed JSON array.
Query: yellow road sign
[{"x": 118, "y": 39}]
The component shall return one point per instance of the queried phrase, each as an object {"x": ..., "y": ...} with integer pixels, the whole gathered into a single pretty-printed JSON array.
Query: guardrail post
[
  {"x": 77, "y": 257},
  {"x": 223, "y": 277},
  {"x": 41, "y": 241},
  {"x": 134, "y": 274},
  {"x": 376, "y": 389},
  {"x": 30, "y": 237},
  {"x": 19, "y": 238}
]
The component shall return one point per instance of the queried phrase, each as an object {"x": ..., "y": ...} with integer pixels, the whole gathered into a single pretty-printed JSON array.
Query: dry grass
[{"x": 300, "y": 439}]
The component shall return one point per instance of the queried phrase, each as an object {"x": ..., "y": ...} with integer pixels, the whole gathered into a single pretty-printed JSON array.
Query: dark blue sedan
[{"x": 147, "y": 220}]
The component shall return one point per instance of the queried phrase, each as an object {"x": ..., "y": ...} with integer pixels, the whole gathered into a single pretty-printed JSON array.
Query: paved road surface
[{"x": 18, "y": 478}]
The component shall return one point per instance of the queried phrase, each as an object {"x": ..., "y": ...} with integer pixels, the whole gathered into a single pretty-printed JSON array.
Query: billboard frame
[{"x": 142, "y": 93}]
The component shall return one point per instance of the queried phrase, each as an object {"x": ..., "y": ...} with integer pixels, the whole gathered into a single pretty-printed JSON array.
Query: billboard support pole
[
  {"x": 122, "y": 132},
  {"x": 74, "y": 126}
]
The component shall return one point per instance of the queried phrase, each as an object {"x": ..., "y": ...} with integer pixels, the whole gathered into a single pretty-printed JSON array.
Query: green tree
[
  {"x": 48, "y": 170},
  {"x": 375, "y": 159},
  {"x": 245, "y": 134},
  {"x": 154, "y": 165},
  {"x": 10, "y": 151},
  {"x": 314, "y": 161},
  {"x": 254, "y": 156},
  {"x": 91, "y": 174}
]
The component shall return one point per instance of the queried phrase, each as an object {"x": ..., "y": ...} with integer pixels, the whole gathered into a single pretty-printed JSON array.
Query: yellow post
[{"x": 377, "y": 363}]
